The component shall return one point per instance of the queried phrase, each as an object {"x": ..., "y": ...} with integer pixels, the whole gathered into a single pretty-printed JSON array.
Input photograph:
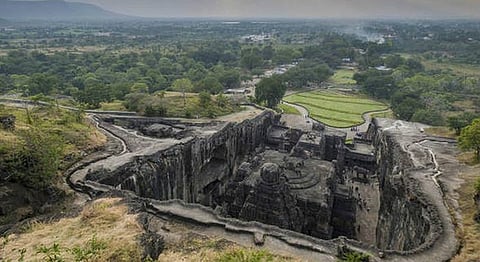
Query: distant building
[
  {"x": 236, "y": 91},
  {"x": 383, "y": 68}
]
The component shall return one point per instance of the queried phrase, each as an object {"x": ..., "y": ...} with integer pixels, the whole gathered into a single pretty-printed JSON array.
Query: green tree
[
  {"x": 37, "y": 161},
  {"x": 139, "y": 88},
  {"x": 153, "y": 110},
  {"x": 268, "y": 52},
  {"x": 394, "y": 61},
  {"x": 307, "y": 72},
  {"x": 183, "y": 85},
  {"x": 222, "y": 100},
  {"x": 271, "y": 91},
  {"x": 251, "y": 58},
  {"x": 229, "y": 78},
  {"x": 285, "y": 55},
  {"x": 42, "y": 84},
  {"x": 458, "y": 122},
  {"x": 470, "y": 138},
  {"x": 209, "y": 84},
  {"x": 406, "y": 103},
  {"x": 429, "y": 117},
  {"x": 94, "y": 94},
  {"x": 205, "y": 99}
]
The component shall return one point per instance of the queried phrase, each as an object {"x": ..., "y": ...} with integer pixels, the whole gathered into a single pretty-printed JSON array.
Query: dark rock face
[
  {"x": 404, "y": 222},
  {"x": 195, "y": 171},
  {"x": 18, "y": 202},
  {"x": 7, "y": 122},
  {"x": 153, "y": 245},
  {"x": 162, "y": 131},
  {"x": 270, "y": 201}
]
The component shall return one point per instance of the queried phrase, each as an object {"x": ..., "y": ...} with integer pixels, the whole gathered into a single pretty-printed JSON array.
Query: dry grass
[
  {"x": 471, "y": 229},
  {"x": 456, "y": 68},
  {"x": 193, "y": 247},
  {"x": 106, "y": 219},
  {"x": 113, "y": 106},
  {"x": 440, "y": 131}
]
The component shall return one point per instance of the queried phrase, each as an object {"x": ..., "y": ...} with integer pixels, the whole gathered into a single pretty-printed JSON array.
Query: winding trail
[{"x": 95, "y": 120}]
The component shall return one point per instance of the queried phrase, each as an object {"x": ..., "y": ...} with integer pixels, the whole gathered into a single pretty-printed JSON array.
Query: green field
[
  {"x": 343, "y": 77},
  {"x": 289, "y": 110},
  {"x": 335, "y": 109}
]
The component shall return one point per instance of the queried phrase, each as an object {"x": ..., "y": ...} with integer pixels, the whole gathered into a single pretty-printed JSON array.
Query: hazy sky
[{"x": 294, "y": 8}]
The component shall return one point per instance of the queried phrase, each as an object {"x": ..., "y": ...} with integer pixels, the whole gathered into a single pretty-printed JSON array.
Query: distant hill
[{"x": 53, "y": 10}]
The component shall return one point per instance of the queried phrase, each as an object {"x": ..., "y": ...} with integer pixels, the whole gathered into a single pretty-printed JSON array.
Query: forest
[{"x": 106, "y": 62}]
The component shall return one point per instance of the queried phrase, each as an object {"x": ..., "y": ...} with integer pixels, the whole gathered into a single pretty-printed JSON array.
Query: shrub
[
  {"x": 37, "y": 161},
  {"x": 90, "y": 251},
  {"x": 51, "y": 253},
  {"x": 245, "y": 255},
  {"x": 155, "y": 110},
  {"x": 477, "y": 186},
  {"x": 354, "y": 257}
]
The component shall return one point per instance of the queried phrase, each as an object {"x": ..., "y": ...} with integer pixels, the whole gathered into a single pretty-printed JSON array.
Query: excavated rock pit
[{"x": 385, "y": 193}]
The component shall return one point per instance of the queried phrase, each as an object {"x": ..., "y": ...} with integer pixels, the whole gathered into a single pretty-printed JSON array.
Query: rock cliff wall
[
  {"x": 406, "y": 220},
  {"x": 195, "y": 171}
]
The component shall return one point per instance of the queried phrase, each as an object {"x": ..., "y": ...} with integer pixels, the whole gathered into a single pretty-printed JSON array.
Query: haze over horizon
[{"x": 293, "y": 9}]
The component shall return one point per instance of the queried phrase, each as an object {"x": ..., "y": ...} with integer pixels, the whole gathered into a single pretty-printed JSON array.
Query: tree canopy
[
  {"x": 270, "y": 91},
  {"x": 470, "y": 138}
]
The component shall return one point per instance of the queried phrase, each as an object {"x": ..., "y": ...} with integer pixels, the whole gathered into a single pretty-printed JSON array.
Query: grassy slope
[
  {"x": 335, "y": 109},
  {"x": 194, "y": 247},
  {"x": 106, "y": 220},
  {"x": 77, "y": 136},
  {"x": 109, "y": 221}
]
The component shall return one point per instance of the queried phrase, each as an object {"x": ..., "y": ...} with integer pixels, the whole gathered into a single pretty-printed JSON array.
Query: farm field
[
  {"x": 334, "y": 108},
  {"x": 343, "y": 77}
]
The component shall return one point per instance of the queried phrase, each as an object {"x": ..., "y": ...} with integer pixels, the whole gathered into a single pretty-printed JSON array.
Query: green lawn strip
[
  {"x": 333, "y": 122},
  {"x": 351, "y": 122},
  {"x": 341, "y": 95},
  {"x": 340, "y": 100},
  {"x": 335, "y": 109},
  {"x": 328, "y": 108},
  {"x": 334, "y": 115},
  {"x": 343, "y": 77},
  {"x": 345, "y": 107},
  {"x": 290, "y": 110},
  {"x": 327, "y": 93}
]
